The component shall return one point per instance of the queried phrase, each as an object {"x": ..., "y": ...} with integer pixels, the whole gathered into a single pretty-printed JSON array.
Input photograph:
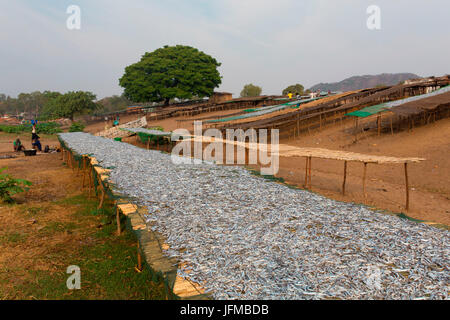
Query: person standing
[{"x": 33, "y": 132}]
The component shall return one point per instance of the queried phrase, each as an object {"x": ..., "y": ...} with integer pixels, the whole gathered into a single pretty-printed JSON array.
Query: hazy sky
[{"x": 269, "y": 43}]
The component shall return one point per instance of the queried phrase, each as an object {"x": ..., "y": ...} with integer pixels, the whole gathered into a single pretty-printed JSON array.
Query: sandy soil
[
  {"x": 100, "y": 126},
  {"x": 169, "y": 124},
  {"x": 6, "y": 142}
]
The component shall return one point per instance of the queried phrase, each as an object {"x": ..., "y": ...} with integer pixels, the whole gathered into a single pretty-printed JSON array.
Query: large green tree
[
  {"x": 70, "y": 104},
  {"x": 171, "y": 72},
  {"x": 294, "y": 89},
  {"x": 251, "y": 90}
]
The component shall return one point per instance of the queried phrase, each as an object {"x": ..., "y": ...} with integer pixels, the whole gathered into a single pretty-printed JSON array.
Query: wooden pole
[
  {"x": 84, "y": 172},
  {"x": 306, "y": 172},
  {"x": 407, "y": 186},
  {"x": 139, "y": 268},
  {"x": 392, "y": 128},
  {"x": 119, "y": 229},
  {"x": 345, "y": 178},
  {"x": 364, "y": 180},
  {"x": 379, "y": 124},
  {"x": 90, "y": 182},
  {"x": 247, "y": 156},
  {"x": 102, "y": 197},
  {"x": 309, "y": 169}
]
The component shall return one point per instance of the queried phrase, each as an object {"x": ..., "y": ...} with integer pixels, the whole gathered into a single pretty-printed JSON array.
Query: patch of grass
[
  {"x": 34, "y": 211},
  {"x": 272, "y": 178},
  {"x": 75, "y": 200},
  {"x": 55, "y": 227},
  {"x": 12, "y": 238},
  {"x": 107, "y": 262}
]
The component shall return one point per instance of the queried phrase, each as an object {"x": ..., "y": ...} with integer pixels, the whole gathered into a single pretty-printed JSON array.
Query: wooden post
[
  {"x": 119, "y": 229},
  {"x": 309, "y": 169},
  {"x": 102, "y": 197},
  {"x": 84, "y": 172},
  {"x": 139, "y": 268},
  {"x": 392, "y": 128},
  {"x": 306, "y": 172},
  {"x": 345, "y": 178},
  {"x": 379, "y": 124},
  {"x": 407, "y": 186},
  {"x": 364, "y": 180},
  {"x": 90, "y": 182},
  {"x": 247, "y": 156}
]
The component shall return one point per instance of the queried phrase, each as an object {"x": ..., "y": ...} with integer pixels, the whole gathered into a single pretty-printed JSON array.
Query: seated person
[
  {"x": 18, "y": 145},
  {"x": 37, "y": 144}
]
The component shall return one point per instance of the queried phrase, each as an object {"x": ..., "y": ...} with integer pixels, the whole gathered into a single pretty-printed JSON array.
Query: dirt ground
[
  {"x": 169, "y": 124},
  {"x": 27, "y": 220},
  {"x": 100, "y": 126},
  {"x": 7, "y": 139},
  {"x": 54, "y": 225}
]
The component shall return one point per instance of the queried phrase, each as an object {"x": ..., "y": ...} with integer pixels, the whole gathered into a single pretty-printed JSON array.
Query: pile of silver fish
[{"x": 244, "y": 237}]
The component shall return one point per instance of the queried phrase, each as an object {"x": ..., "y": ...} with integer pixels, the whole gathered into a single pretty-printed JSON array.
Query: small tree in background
[
  {"x": 294, "y": 89},
  {"x": 171, "y": 72},
  {"x": 70, "y": 104},
  {"x": 251, "y": 90}
]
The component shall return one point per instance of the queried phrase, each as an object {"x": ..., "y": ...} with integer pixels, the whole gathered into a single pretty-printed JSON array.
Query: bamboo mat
[{"x": 292, "y": 151}]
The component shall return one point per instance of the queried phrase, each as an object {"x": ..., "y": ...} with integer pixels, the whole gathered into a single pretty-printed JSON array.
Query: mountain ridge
[{"x": 365, "y": 81}]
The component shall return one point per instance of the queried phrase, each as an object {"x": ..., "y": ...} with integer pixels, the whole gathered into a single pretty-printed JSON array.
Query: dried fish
[{"x": 244, "y": 237}]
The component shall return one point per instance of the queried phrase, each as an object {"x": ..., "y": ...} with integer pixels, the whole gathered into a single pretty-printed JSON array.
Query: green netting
[
  {"x": 255, "y": 112},
  {"x": 368, "y": 111},
  {"x": 145, "y": 137}
]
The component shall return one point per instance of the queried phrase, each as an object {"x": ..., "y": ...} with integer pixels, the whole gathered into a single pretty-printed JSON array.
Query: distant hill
[{"x": 362, "y": 82}]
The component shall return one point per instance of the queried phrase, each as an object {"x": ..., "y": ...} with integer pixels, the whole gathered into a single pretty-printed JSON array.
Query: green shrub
[
  {"x": 10, "y": 186},
  {"x": 43, "y": 128},
  {"x": 76, "y": 127}
]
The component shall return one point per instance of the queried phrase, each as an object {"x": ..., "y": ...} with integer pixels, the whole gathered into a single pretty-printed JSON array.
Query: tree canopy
[
  {"x": 32, "y": 103},
  {"x": 171, "y": 72},
  {"x": 294, "y": 89},
  {"x": 251, "y": 90},
  {"x": 113, "y": 104},
  {"x": 69, "y": 104}
]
